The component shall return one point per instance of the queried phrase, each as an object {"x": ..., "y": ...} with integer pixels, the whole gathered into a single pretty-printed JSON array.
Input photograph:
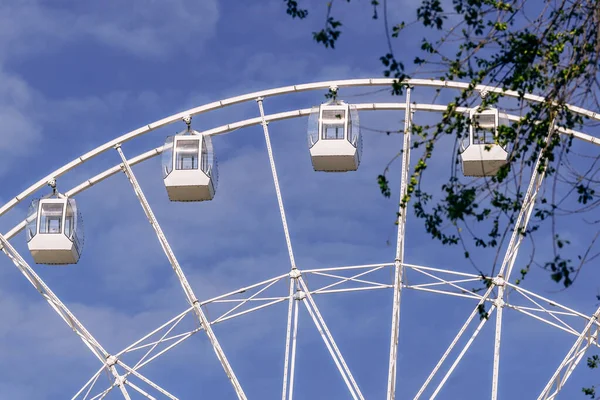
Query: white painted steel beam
[
  {"x": 246, "y": 123},
  {"x": 588, "y": 337},
  {"x": 520, "y": 226},
  {"x": 453, "y": 344},
  {"x": 62, "y": 310},
  {"x": 399, "y": 259},
  {"x": 327, "y": 337},
  {"x": 189, "y": 293},
  {"x": 268, "y": 93}
]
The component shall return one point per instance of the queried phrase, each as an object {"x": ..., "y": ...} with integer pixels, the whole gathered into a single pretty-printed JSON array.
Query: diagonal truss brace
[
  {"x": 535, "y": 183},
  {"x": 189, "y": 293},
  {"x": 62, "y": 311},
  {"x": 587, "y": 338}
]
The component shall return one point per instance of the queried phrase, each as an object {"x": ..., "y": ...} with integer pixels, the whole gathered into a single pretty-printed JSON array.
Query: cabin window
[
  {"x": 32, "y": 215},
  {"x": 484, "y": 129},
  {"x": 69, "y": 220},
  {"x": 204, "y": 157},
  {"x": 333, "y": 131},
  {"x": 187, "y": 154},
  {"x": 167, "y": 157},
  {"x": 51, "y": 218}
]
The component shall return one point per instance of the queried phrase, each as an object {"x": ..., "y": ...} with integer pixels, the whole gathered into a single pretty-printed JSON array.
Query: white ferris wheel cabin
[
  {"x": 482, "y": 155},
  {"x": 54, "y": 231},
  {"x": 334, "y": 137},
  {"x": 190, "y": 174},
  {"x": 189, "y": 167}
]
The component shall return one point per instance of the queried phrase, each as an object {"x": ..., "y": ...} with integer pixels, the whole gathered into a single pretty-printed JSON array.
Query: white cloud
[
  {"x": 20, "y": 132},
  {"x": 140, "y": 27},
  {"x": 124, "y": 286},
  {"x": 150, "y": 28},
  {"x": 31, "y": 27}
]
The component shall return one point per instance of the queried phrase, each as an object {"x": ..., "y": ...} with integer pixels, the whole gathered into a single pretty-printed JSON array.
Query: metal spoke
[
  {"x": 286, "y": 232},
  {"x": 288, "y": 339},
  {"x": 62, "y": 311},
  {"x": 398, "y": 266},
  {"x": 512, "y": 250},
  {"x": 332, "y": 352},
  {"x": 294, "y": 272},
  {"x": 315, "y": 314},
  {"x": 236, "y": 304},
  {"x": 293, "y": 359},
  {"x": 189, "y": 293}
]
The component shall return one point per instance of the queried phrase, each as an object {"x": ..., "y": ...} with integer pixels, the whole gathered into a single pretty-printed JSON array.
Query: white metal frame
[
  {"x": 343, "y": 279},
  {"x": 489, "y": 111},
  {"x": 303, "y": 291},
  {"x": 326, "y": 121},
  {"x": 398, "y": 262},
  {"x": 189, "y": 293}
]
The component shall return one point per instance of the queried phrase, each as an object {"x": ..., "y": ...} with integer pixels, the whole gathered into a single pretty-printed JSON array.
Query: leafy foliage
[
  {"x": 550, "y": 48},
  {"x": 553, "y": 50},
  {"x": 294, "y": 11},
  {"x": 593, "y": 362}
]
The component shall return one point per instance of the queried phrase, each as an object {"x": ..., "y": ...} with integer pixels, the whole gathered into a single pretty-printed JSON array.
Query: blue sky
[{"x": 76, "y": 75}]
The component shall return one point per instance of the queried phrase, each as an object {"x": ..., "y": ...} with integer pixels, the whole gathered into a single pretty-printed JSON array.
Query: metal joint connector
[
  {"x": 299, "y": 295},
  {"x": 295, "y": 273},
  {"x": 499, "y": 280},
  {"x": 111, "y": 360}
]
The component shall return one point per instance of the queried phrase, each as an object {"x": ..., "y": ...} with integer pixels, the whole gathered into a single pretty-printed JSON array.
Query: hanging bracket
[
  {"x": 52, "y": 184},
  {"x": 188, "y": 121}
]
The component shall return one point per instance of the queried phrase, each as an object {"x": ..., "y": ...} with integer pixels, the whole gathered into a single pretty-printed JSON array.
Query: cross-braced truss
[
  {"x": 302, "y": 288},
  {"x": 345, "y": 279}
]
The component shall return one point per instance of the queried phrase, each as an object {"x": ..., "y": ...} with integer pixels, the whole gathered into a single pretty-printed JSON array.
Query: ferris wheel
[{"x": 53, "y": 233}]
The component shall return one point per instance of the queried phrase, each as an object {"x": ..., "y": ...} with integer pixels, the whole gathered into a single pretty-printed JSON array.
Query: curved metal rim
[
  {"x": 272, "y": 117},
  {"x": 115, "y": 143}
]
